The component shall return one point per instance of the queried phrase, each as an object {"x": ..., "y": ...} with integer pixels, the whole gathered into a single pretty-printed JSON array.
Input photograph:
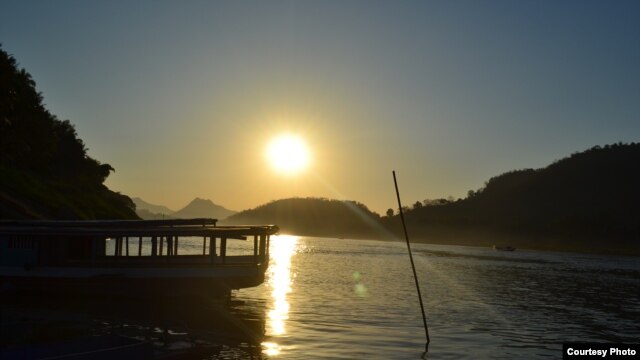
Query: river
[{"x": 352, "y": 299}]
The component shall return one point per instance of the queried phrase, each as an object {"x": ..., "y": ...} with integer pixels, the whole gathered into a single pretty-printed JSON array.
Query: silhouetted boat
[
  {"x": 71, "y": 256},
  {"x": 503, "y": 248}
]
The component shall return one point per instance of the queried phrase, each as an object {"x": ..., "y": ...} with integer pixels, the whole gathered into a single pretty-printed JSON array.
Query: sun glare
[
  {"x": 279, "y": 279},
  {"x": 288, "y": 154}
]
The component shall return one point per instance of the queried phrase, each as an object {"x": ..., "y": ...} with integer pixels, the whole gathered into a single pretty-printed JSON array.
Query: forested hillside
[
  {"x": 313, "y": 216},
  {"x": 45, "y": 171},
  {"x": 588, "y": 200}
]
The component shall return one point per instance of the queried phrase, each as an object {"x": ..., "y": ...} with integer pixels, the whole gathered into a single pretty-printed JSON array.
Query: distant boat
[
  {"x": 71, "y": 257},
  {"x": 503, "y": 248}
]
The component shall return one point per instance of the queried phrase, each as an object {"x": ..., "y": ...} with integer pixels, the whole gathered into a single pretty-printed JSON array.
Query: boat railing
[
  {"x": 166, "y": 250},
  {"x": 117, "y": 243}
]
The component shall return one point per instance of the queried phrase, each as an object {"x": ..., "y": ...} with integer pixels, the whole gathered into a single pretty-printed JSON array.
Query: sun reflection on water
[{"x": 279, "y": 280}]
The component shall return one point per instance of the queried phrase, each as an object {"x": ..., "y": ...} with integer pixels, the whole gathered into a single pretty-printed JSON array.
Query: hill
[
  {"x": 150, "y": 211},
  {"x": 203, "y": 208},
  {"x": 45, "y": 171},
  {"x": 313, "y": 217},
  {"x": 589, "y": 201}
]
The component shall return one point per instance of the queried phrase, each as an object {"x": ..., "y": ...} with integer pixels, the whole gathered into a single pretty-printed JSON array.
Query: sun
[{"x": 288, "y": 154}]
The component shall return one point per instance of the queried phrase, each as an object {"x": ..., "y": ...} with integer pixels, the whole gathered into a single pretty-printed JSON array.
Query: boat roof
[
  {"x": 111, "y": 223},
  {"x": 132, "y": 228}
]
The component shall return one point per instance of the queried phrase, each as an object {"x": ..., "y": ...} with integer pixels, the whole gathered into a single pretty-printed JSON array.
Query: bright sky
[{"x": 183, "y": 97}]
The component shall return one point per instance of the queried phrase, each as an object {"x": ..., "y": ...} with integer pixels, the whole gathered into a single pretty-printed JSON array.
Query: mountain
[
  {"x": 149, "y": 208},
  {"x": 589, "y": 201},
  {"x": 203, "y": 208},
  {"x": 45, "y": 171},
  {"x": 314, "y": 217}
]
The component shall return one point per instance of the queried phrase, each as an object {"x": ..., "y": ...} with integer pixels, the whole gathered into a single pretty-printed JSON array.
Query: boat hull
[{"x": 132, "y": 282}]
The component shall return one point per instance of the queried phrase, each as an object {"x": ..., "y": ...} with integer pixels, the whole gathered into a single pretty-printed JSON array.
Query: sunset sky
[{"x": 183, "y": 97}]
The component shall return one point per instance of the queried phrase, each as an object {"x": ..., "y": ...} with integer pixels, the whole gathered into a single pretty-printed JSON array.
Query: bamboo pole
[{"x": 413, "y": 266}]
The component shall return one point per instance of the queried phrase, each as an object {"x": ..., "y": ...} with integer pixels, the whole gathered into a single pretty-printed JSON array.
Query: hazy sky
[{"x": 181, "y": 97}]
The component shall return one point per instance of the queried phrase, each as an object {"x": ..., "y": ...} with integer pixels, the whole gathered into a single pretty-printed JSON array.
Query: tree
[
  {"x": 46, "y": 171},
  {"x": 389, "y": 212}
]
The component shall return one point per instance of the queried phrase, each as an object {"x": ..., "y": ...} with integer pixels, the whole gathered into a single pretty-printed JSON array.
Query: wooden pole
[
  {"x": 204, "y": 245},
  {"x": 223, "y": 249},
  {"x": 263, "y": 246},
  {"x": 154, "y": 246},
  {"x": 213, "y": 247},
  {"x": 139, "y": 245},
  {"x": 255, "y": 249},
  {"x": 413, "y": 266}
]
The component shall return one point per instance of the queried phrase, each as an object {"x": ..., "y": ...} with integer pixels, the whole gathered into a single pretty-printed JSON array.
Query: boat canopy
[{"x": 145, "y": 228}]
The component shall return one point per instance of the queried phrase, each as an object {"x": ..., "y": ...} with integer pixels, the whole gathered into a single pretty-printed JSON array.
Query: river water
[{"x": 352, "y": 299}]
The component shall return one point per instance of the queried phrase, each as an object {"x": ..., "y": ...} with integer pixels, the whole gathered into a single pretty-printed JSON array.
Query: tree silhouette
[
  {"x": 44, "y": 163},
  {"x": 313, "y": 216},
  {"x": 587, "y": 200}
]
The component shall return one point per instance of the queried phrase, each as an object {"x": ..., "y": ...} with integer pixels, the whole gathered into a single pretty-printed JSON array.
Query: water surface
[
  {"x": 356, "y": 299},
  {"x": 340, "y": 298}
]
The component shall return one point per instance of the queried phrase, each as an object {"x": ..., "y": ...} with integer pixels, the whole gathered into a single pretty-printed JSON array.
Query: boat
[
  {"x": 504, "y": 248},
  {"x": 131, "y": 257}
]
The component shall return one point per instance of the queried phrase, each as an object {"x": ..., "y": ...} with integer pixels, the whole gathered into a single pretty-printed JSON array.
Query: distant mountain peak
[
  {"x": 199, "y": 208},
  {"x": 200, "y": 200}
]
